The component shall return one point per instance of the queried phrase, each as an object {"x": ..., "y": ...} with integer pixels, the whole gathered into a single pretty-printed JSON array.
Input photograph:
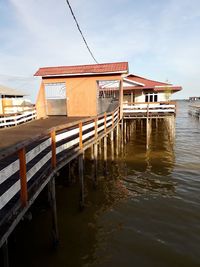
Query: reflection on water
[
  {"x": 148, "y": 171},
  {"x": 145, "y": 210}
]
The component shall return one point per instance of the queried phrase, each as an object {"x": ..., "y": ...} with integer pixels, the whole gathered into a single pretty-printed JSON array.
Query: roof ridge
[
  {"x": 84, "y": 69},
  {"x": 80, "y": 65}
]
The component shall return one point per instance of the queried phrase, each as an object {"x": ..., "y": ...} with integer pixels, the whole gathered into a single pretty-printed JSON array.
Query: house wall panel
[{"x": 81, "y": 94}]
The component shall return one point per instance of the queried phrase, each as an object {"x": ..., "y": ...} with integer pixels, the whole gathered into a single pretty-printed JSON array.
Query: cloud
[{"x": 159, "y": 39}]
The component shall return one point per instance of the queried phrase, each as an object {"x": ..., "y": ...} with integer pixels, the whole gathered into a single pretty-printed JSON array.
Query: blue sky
[{"x": 159, "y": 38}]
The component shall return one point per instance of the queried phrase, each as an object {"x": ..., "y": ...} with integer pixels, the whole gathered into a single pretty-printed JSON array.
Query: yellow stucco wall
[{"x": 41, "y": 102}]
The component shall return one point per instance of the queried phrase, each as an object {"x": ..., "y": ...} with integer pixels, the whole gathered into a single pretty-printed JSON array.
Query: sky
[{"x": 159, "y": 38}]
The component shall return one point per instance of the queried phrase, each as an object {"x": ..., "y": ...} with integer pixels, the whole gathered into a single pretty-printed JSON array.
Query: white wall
[
  {"x": 140, "y": 97},
  {"x": 162, "y": 96},
  {"x": 1, "y": 110}
]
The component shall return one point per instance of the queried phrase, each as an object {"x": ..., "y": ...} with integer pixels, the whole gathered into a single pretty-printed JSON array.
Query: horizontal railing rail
[
  {"x": 22, "y": 166},
  {"x": 9, "y": 109},
  {"x": 148, "y": 108},
  {"x": 13, "y": 119},
  {"x": 194, "y": 110}
]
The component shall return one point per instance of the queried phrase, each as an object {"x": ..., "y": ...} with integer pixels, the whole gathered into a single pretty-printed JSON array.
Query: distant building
[
  {"x": 139, "y": 89},
  {"x": 9, "y": 98},
  {"x": 194, "y": 98}
]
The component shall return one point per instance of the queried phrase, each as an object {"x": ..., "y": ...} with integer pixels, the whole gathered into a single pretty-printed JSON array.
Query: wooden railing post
[
  {"x": 23, "y": 178},
  {"x": 95, "y": 128},
  {"x": 105, "y": 116},
  {"x": 53, "y": 149},
  {"x": 113, "y": 120},
  {"x": 81, "y": 135},
  {"x": 147, "y": 110}
]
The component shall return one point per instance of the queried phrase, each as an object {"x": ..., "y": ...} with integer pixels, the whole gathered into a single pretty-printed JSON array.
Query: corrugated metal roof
[
  {"x": 151, "y": 84},
  {"x": 145, "y": 81},
  {"x": 4, "y": 90},
  {"x": 119, "y": 67}
]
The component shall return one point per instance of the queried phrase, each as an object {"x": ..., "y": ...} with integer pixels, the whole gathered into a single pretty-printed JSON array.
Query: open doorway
[
  {"x": 108, "y": 95},
  {"x": 56, "y": 102}
]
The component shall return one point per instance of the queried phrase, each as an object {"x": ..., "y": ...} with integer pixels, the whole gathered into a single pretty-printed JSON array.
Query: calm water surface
[{"x": 144, "y": 212}]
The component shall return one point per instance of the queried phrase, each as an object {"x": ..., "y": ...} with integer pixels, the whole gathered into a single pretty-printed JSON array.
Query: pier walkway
[{"x": 21, "y": 134}]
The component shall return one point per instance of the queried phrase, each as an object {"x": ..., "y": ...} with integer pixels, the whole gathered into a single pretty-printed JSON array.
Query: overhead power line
[{"x": 77, "y": 24}]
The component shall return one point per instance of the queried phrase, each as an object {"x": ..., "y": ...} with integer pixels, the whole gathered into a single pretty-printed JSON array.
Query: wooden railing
[
  {"x": 24, "y": 114},
  {"x": 10, "y": 109},
  {"x": 146, "y": 109},
  {"x": 25, "y": 167}
]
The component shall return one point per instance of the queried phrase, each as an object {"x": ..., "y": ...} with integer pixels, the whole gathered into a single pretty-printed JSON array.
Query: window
[{"x": 151, "y": 97}]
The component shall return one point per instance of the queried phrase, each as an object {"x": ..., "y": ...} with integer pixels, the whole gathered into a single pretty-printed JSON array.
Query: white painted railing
[
  {"x": 25, "y": 165},
  {"x": 8, "y": 120},
  {"x": 194, "y": 110},
  {"x": 148, "y": 109},
  {"x": 11, "y": 109}
]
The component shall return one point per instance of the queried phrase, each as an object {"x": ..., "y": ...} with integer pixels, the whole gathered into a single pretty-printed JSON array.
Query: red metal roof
[
  {"x": 145, "y": 81},
  {"x": 119, "y": 67},
  {"x": 150, "y": 84}
]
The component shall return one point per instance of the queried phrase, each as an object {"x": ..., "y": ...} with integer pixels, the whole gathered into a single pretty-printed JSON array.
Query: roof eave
[{"x": 81, "y": 74}]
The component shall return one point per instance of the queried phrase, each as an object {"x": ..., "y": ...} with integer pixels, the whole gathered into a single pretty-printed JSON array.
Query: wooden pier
[
  {"x": 148, "y": 112},
  {"x": 15, "y": 115},
  {"x": 32, "y": 155}
]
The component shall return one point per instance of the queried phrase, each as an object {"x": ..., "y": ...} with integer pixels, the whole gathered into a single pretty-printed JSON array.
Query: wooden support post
[
  {"x": 156, "y": 123},
  {"x": 92, "y": 152},
  {"x": 148, "y": 110},
  {"x": 53, "y": 149},
  {"x": 105, "y": 123},
  {"x": 81, "y": 180},
  {"x": 147, "y": 133},
  {"x": 112, "y": 145},
  {"x": 100, "y": 148},
  {"x": 129, "y": 131},
  {"x": 117, "y": 141},
  {"x": 113, "y": 120},
  {"x": 23, "y": 178},
  {"x": 81, "y": 135},
  {"x": 117, "y": 131},
  {"x": 52, "y": 194},
  {"x": 105, "y": 148},
  {"x": 122, "y": 135},
  {"x": 105, "y": 155},
  {"x": 125, "y": 134},
  {"x": 5, "y": 254},
  {"x": 95, "y": 165}
]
